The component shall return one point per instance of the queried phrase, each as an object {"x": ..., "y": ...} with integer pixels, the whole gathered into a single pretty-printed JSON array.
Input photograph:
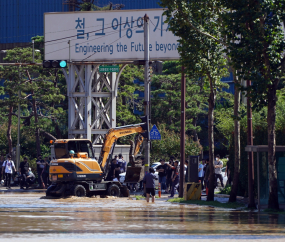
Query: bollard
[{"x": 159, "y": 190}]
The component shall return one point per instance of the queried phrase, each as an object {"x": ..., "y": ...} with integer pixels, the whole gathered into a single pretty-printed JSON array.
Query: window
[{"x": 60, "y": 150}]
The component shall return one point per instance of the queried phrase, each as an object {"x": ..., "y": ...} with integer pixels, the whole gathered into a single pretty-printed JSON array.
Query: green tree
[
  {"x": 201, "y": 55},
  {"x": 167, "y": 100},
  {"x": 127, "y": 100},
  {"x": 169, "y": 145},
  {"x": 13, "y": 80},
  {"x": 38, "y": 94},
  {"x": 258, "y": 53}
]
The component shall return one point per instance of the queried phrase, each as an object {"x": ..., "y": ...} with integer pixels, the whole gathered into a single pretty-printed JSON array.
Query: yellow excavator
[{"x": 79, "y": 174}]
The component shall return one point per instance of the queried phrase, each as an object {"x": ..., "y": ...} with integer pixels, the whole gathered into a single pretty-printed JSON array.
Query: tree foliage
[
  {"x": 202, "y": 56},
  {"x": 169, "y": 145},
  {"x": 255, "y": 45},
  {"x": 39, "y": 95}
]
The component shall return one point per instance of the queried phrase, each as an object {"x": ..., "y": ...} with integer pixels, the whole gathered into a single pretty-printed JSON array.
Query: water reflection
[{"x": 27, "y": 213}]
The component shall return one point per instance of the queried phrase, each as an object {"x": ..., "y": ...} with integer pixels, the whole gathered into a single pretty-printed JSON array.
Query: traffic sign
[
  {"x": 154, "y": 133},
  {"x": 109, "y": 69}
]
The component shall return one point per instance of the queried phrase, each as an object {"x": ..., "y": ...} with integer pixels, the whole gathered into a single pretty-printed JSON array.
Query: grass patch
[
  {"x": 206, "y": 203},
  {"x": 139, "y": 197},
  {"x": 226, "y": 190}
]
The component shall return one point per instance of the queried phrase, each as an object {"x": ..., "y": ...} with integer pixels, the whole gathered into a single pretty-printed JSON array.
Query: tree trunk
[
  {"x": 37, "y": 131},
  {"x": 9, "y": 136},
  {"x": 234, "y": 189},
  {"x": 273, "y": 186},
  {"x": 211, "y": 100}
]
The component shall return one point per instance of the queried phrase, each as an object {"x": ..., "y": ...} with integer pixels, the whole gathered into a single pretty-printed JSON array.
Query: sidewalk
[{"x": 17, "y": 189}]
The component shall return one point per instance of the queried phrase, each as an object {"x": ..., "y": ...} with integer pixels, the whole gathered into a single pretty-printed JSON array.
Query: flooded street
[{"x": 32, "y": 216}]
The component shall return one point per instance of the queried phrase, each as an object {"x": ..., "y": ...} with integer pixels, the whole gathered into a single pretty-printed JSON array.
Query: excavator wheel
[
  {"x": 79, "y": 191},
  {"x": 49, "y": 190},
  {"x": 125, "y": 191},
  {"x": 114, "y": 191}
]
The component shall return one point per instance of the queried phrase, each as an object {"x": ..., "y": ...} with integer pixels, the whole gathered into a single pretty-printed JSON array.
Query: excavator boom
[{"x": 112, "y": 136}]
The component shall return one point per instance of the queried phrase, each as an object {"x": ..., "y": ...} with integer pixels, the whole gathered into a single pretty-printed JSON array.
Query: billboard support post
[{"x": 91, "y": 111}]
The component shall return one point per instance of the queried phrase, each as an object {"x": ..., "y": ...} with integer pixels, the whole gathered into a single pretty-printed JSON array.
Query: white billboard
[{"x": 107, "y": 36}]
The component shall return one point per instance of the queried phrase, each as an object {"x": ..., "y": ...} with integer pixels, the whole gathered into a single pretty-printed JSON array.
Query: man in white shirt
[{"x": 8, "y": 166}]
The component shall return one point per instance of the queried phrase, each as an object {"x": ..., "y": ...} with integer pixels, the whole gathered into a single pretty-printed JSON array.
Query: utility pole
[
  {"x": 251, "y": 201},
  {"x": 19, "y": 113},
  {"x": 182, "y": 133},
  {"x": 146, "y": 89}
]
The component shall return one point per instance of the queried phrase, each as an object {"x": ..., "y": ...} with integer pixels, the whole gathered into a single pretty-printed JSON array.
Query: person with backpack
[{"x": 8, "y": 167}]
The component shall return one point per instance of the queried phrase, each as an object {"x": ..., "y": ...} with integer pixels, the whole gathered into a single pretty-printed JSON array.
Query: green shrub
[{"x": 226, "y": 190}]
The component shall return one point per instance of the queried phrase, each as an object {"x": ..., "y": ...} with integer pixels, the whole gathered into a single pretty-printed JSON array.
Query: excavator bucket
[{"x": 134, "y": 174}]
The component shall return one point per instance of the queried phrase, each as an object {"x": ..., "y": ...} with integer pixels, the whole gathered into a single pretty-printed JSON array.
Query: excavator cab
[{"x": 78, "y": 146}]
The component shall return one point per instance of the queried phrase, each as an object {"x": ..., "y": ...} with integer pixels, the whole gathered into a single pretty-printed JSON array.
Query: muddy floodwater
[{"x": 33, "y": 216}]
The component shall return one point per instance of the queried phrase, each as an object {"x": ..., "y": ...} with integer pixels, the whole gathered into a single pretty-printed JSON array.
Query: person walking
[
  {"x": 168, "y": 176},
  {"x": 40, "y": 167},
  {"x": 218, "y": 164},
  {"x": 24, "y": 170},
  {"x": 174, "y": 177},
  {"x": 45, "y": 173},
  {"x": 161, "y": 169},
  {"x": 8, "y": 167},
  {"x": 201, "y": 173},
  {"x": 149, "y": 184}
]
